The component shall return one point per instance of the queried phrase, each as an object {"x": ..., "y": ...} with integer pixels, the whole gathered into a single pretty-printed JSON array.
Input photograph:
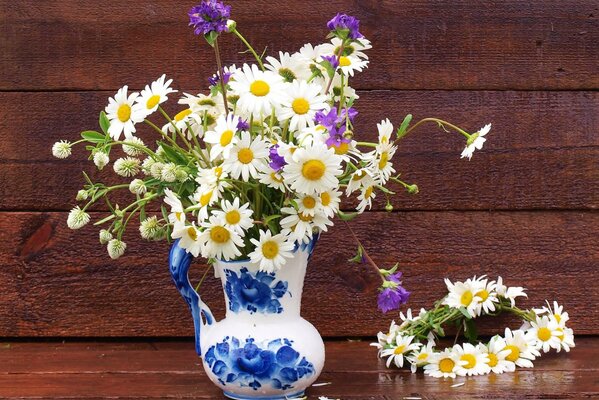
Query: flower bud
[
  {"x": 81, "y": 195},
  {"x": 389, "y": 207},
  {"x": 137, "y": 186},
  {"x": 105, "y": 236},
  {"x": 413, "y": 189},
  {"x": 101, "y": 159},
  {"x": 231, "y": 25}
]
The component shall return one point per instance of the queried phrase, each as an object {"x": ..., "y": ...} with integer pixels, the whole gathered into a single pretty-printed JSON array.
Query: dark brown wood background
[{"x": 525, "y": 207}]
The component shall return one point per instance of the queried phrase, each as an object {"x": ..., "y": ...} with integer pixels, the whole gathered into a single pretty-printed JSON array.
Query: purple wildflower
[
  {"x": 209, "y": 16},
  {"x": 333, "y": 60},
  {"x": 327, "y": 119},
  {"x": 243, "y": 125},
  {"x": 215, "y": 79},
  {"x": 391, "y": 298},
  {"x": 349, "y": 112},
  {"x": 276, "y": 161},
  {"x": 345, "y": 26}
]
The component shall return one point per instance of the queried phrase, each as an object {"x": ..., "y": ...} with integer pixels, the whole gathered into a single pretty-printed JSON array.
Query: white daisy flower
[
  {"x": 488, "y": 296},
  {"x": 521, "y": 346},
  {"x": 214, "y": 178},
  {"x": 443, "y": 364},
  {"x": 509, "y": 293},
  {"x": 403, "y": 345},
  {"x": 271, "y": 251},
  {"x": 308, "y": 204},
  {"x": 385, "y": 129},
  {"x": 127, "y": 166},
  {"x": 246, "y": 157},
  {"x": 116, "y": 248},
  {"x": 77, "y": 218},
  {"x": 204, "y": 197},
  {"x": 300, "y": 226},
  {"x": 556, "y": 312},
  {"x": 422, "y": 356},
  {"x": 362, "y": 178},
  {"x": 155, "y": 94},
  {"x": 177, "y": 215},
  {"x": 366, "y": 198},
  {"x": 234, "y": 216},
  {"x": 182, "y": 121},
  {"x": 476, "y": 142},
  {"x": 289, "y": 67},
  {"x": 386, "y": 339},
  {"x": 313, "y": 169},
  {"x": 312, "y": 53},
  {"x": 271, "y": 178},
  {"x": 259, "y": 91},
  {"x": 218, "y": 241},
  {"x": 408, "y": 318},
  {"x": 223, "y": 137},
  {"x": 463, "y": 294},
  {"x": 356, "y": 48},
  {"x": 379, "y": 162},
  {"x": 497, "y": 353},
  {"x": 189, "y": 238},
  {"x": 566, "y": 338},
  {"x": 61, "y": 149},
  {"x": 329, "y": 202},
  {"x": 300, "y": 103},
  {"x": 350, "y": 64},
  {"x": 123, "y": 113},
  {"x": 473, "y": 361},
  {"x": 544, "y": 333}
]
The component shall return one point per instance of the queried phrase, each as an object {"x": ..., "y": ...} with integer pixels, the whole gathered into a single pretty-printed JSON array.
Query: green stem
[
  {"x": 221, "y": 71},
  {"x": 250, "y": 48},
  {"x": 438, "y": 121},
  {"x": 203, "y": 278}
]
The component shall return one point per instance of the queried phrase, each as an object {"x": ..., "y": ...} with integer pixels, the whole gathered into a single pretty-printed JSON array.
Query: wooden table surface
[{"x": 148, "y": 370}]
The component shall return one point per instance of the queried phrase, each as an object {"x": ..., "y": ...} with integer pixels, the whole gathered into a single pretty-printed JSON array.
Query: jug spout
[{"x": 179, "y": 262}]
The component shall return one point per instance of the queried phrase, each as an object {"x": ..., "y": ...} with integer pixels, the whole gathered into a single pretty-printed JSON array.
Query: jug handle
[{"x": 179, "y": 262}]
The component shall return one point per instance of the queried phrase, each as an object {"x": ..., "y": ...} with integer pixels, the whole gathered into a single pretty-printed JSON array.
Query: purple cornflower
[
  {"x": 243, "y": 125},
  {"x": 392, "y": 294},
  {"x": 215, "y": 79},
  {"x": 345, "y": 26},
  {"x": 327, "y": 119},
  {"x": 276, "y": 161},
  {"x": 333, "y": 60},
  {"x": 209, "y": 16}
]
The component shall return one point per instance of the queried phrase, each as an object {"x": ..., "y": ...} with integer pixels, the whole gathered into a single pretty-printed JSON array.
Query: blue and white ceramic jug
[{"x": 263, "y": 348}]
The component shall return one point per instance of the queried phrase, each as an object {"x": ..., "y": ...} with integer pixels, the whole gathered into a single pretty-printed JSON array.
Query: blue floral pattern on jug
[
  {"x": 259, "y": 293},
  {"x": 276, "y": 363}
]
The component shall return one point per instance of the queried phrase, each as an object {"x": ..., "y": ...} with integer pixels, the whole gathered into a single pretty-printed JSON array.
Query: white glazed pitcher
[{"x": 263, "y": 348}]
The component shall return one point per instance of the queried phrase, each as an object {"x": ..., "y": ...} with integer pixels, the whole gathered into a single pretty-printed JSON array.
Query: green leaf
[
  {"x": 347, "y": 216},
  {"x": 401, "y": 131},
  {"x": 470, "y": 331},
  {"x": 211, "y": 37},
  {"x": 173, "y": 154},
  {"x": 465, "y": 312},
  {"x": 104, "y": 122},
  {"x": 104, "y": 220},
  {"x": 93, "y": 136}
]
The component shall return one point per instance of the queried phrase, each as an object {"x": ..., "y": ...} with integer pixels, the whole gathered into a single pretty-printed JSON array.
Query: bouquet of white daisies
[{"x": 257, "y": 163}]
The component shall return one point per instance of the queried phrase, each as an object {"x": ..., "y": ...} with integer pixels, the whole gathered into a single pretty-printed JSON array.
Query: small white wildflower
[
  {"x": 475, "y": 142},
  {"x": 101, "y": 159},
  {"x": 132, "y": 146},
  {"x": 81, "y": 195},
  {"x": 61, "y": 149},
  {"x": 169, "y": 172},
  {"x": 156, "y": 170},
  {"x": 105, "y": 236},
  {"x": 77, "y": 218},
  {"x": 127, "y": 166},
  {"x": 116, "y": 248},
  {"x": 150, "y": 229},
  {"x": 137, "y": 186}
]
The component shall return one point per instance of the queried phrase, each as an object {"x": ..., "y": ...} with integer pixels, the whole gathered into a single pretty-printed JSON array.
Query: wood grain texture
[
  {"x": 70, "y": 44},
  {"x": 352, "y": 371},
  {"x": 56, "y": 282},
  {"x": 542, "y": 151}
]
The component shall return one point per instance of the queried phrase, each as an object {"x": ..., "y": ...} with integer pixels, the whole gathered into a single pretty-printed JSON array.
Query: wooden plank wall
[{"x": 525, "y": 207}]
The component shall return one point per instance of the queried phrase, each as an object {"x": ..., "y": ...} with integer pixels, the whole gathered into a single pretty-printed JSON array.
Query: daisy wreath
[
  {"x": 257, "y": 163},
  {"x": 413, "y": 341}
]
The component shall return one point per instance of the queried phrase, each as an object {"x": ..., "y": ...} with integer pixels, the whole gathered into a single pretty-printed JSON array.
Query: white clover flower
[
  {"x": 81, "y": 195},
  {"x": 105, "y": 236},
  {"x": 146, "y": 165},
  {"x": 156, "y": 170},
  {"x": 116, "y": 248},
  {"x": 77, "y": 218},
  {"x": 127, "y": 166},
  {"x": 150, "y": 229},
  {"x": 101, "y": 159},
  {"x": 132, "y": 146},
  {"x": 137, "y": 186},
  {"x": 169, "y": 172},
  {"x": 61, "y": 149},
  {"x": 476, "y": 141}
]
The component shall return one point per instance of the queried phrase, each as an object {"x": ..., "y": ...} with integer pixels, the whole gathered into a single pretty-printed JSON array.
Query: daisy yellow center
[
  {"x": 218, "y": 171},
  {"x": 544, "y": 334},
  {"x": 309, "y": 202},
  {"x": 178, "y": 215},
  {"x": 182, "y": 114},
  {"x": 399, "y": 349},
  {"x": 325, "y": 198},
  {"x": 205, "y": 198},
  {"x": 466, "y": 298},
  {"x": 358, "y": 175},
  {"x": 275, "y": 177},
  {"x": 557, "y": 317},
  {"x": 226, "y": 137},
  {"x": 124, "y": 112},
  {"x": 384, "y": 140},
  {"x": 219, "y": 234},
  {"x": 368, "y": 192},
  {"x": 300, "y": 106},
  {"x": 342, "y": 149},
  {"x": 344, "y": 61},
  {"x": 304, "y": 217},
  {"x": 470, "y": 360},
  {"x": 152, "y": 102},
  {"x": 193, "y": 234},
  {"x": 561, "y": 334},
  {"x": 446, "y": 365},
  {"x": 483, "y": 294},
  {"x": 233, "y": 217},
  {"x": 270, "y": 249},
  {"x": 245, "y": 155},
  {"x": 514, "y": 353},
  {"x": 259, "y": 88},
  {"x": 422, "y": 356},
  {"x": 313, "y": 170},
  {"x": 206, "y": 102},
  {"x": 492, "y": 360},
  {"x": 383, "y": 160}
]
